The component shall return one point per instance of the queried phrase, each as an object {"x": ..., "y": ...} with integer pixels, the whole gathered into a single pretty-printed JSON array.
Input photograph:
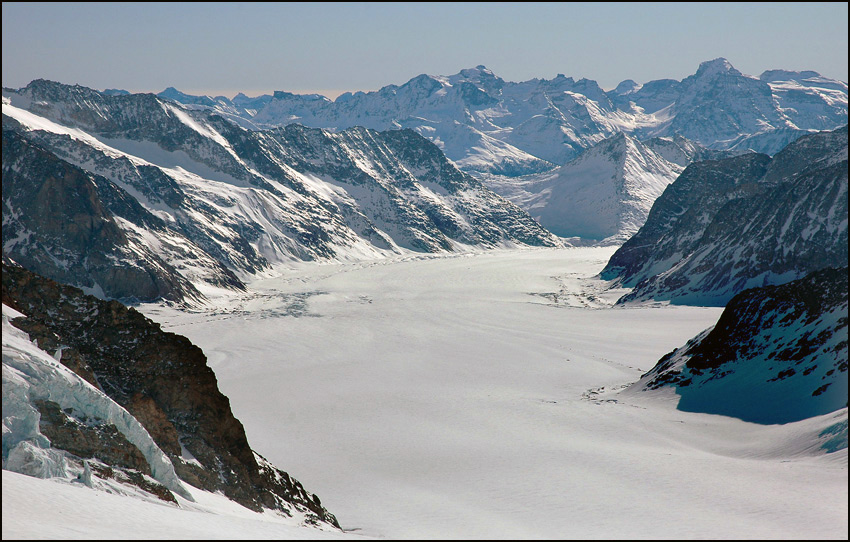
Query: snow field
[{"x": 474, "y": 396}]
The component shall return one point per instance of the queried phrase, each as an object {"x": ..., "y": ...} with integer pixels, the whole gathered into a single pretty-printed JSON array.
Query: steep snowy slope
[
  {"x": 724, "y": 226},
  {"x": 50, "y": 509},
  {"x": 778, "y": 354},
  {"x": 488, "y": 125},
  {"x": 602, "y": 196},
  {"x": 206, "y": 196}
]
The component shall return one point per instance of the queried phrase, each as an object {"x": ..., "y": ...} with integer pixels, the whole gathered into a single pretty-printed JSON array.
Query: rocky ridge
[{"x": 196, "y": 194}]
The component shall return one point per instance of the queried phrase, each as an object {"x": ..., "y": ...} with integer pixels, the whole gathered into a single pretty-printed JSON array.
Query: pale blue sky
[{"x": 323, "y": 47}]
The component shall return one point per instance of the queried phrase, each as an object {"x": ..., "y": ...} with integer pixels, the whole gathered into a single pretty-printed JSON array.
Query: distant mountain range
[{"x": 486, "y": 124}]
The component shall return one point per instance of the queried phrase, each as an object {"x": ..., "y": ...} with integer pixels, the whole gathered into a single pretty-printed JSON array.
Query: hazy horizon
[{"x": 326, "y": 48}]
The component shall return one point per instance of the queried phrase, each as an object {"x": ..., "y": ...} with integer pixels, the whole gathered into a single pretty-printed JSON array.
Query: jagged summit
[{"x": 172, "y": 93}]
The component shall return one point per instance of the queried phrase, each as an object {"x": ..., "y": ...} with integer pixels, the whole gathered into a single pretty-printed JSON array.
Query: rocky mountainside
[
  {"x": 777, "y": 354},
  {"x": 189, "y": 198},
  {"x": 68, "y": 226},
  {"x": 128, "y": 372},
  {"x": 604, "y": 195},
  {"x": 728, "y": 225},
  {"x": 486, "y": 124}
]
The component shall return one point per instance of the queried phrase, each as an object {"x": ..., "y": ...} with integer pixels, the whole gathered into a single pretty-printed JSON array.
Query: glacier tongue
[{"x": 29, "y": 374}]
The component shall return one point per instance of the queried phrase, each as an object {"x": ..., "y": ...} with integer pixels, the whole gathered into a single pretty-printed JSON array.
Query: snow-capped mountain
[
  {"x": 188, "y": 194},
  {"x": 752, "y": 220},
  {"x": 777, "y": 354},
  {"x": 486, "y": 124},
  {"x": 122, "y": 405},
  {"x": 605, "y": 194}
]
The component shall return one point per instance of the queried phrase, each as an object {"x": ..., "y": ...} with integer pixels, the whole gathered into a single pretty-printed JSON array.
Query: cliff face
[
  {"x": 162, "y": 379},
  {"x": 56, "y": 223}
]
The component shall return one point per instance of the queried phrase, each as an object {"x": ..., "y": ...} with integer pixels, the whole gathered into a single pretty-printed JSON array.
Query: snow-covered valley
[{"x": 476, "y": 396}]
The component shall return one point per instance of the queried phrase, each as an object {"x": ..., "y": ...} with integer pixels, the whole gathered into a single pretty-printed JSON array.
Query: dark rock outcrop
[
  {"x": 88, "y": 439},
  {"x": 163, "y": 380},
  {"x": 777, "y": 354}
]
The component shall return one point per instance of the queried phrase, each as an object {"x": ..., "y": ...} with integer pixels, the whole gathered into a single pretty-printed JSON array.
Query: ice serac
[
  {"x": 161, "y": 379},
  {"x": 48, "y": 410},
  {"x": 219, "y": 204},
  {"x": 728, "y": 225},
  {"x": 777, "y": 354}
]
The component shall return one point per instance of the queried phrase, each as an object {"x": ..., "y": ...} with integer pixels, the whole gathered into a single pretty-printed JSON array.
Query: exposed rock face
[
  {"x": 724, "y": 226},
  {"x": 161, "y": 379},
  {"x": 56, "y": 222},
  {"x": 88, "y": 438},
  {"x": 777, "y": 354},
  {"x": 182, "y": 196}
]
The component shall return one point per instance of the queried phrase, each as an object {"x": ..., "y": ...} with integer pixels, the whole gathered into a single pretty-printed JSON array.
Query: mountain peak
[
  {"x": 626, "y": 87},
  {"x": 477, "y": 73},
  {"x": 716, "y": 66}
]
